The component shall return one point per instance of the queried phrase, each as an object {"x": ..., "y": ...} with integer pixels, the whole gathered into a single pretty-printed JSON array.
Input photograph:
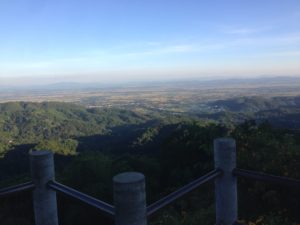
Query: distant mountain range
[{"x": 260, "y": 81}]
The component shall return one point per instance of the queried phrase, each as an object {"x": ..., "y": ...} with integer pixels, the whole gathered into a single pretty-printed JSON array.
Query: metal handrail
[
  {"x": 16, "y": 189},
  {"x": 285, "y": 181},
  {"x": 182, "y": 191},
  {"x": 70, "y": 192},
  {"x": 110, "y": 209}
]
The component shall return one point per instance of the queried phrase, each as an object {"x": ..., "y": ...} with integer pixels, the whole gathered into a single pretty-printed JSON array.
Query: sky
[{"x": 121, "y": 40}]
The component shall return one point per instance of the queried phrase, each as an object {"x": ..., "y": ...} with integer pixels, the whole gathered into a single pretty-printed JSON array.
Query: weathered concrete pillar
[
  {"x": 226, "y": 185},
  {"x": 44, "y": 199},
  {"x": 130, "y": 199}
]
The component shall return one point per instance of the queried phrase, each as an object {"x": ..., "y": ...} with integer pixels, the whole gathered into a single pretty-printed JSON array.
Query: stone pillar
[
  {"x": 226, "y": 185},
  {"x": 44, "y": 199},
  {"x": 130, "y": 199}
]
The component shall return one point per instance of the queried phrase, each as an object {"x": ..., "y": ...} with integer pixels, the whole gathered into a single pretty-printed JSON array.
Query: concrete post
[
  {"x": 44, "y": 199},
  {"x": 226, "y": 185},
  {"x": 130, "y": 199}
]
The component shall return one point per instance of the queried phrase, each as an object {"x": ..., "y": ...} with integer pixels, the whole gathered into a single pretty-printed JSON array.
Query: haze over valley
[{"x": 114, "y": 86}]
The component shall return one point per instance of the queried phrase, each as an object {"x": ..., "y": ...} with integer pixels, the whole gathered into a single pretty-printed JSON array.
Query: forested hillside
[
  {"x": 281, "y": 112},
  {"x": 94, "y": 144},
  {"x": 34, "y": 123},
  {"x": 257, "y": 103}
]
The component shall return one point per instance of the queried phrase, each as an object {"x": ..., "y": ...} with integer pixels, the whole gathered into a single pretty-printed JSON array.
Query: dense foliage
[
  {"x": 92, "y": 145},
  {"x": 24, "y": 123}
]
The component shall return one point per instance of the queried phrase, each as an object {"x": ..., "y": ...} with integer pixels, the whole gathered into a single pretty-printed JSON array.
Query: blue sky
[{"x": 148, "y": 39}]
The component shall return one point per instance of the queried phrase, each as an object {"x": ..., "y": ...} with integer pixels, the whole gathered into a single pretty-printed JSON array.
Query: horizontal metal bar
[
  {"x": 267, "y": 177},
  {"x": 70, "y": 192},
  {"x": 182, "y": 191},
  {"x": 16, "y": 189}
]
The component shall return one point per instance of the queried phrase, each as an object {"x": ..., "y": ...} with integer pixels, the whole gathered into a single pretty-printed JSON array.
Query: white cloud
[
  {"x": 244, "y": 30},
  {"x": 181, "y": 48},
  {"x": 288, "y": 39},
  {"x": 283, "y": 54},
  {"x": 159, "y": 54}
]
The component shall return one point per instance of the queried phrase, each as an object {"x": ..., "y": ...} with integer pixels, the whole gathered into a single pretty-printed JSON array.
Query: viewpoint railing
[{"x": 129, "y": 189}]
